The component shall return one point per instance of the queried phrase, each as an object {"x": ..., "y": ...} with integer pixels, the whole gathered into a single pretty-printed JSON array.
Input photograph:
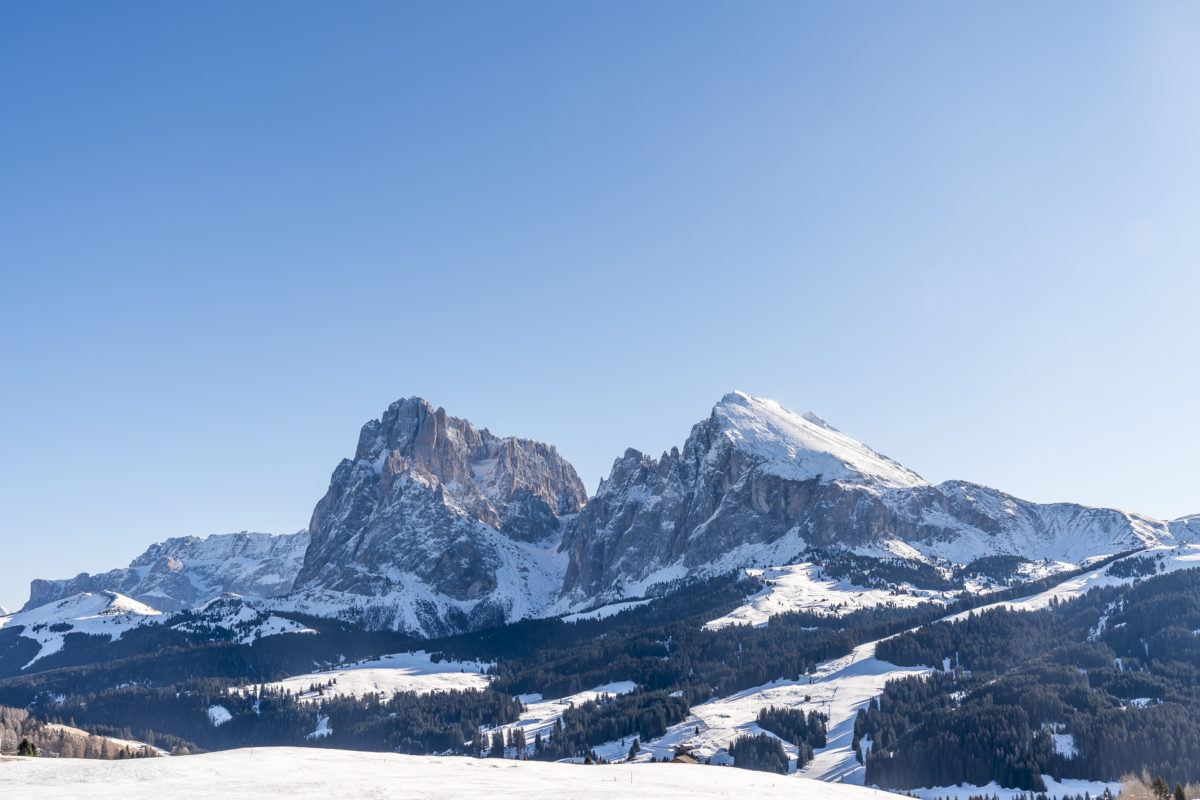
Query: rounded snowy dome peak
[{"x": 804, "y": 447}]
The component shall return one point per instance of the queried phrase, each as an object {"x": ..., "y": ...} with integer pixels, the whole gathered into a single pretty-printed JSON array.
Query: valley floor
[{"x": 318, "y": 773}]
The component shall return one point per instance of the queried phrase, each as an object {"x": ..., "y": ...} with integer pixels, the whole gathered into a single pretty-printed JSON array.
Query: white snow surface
[
  {"x": 323, "y": 729},
  {"x": 300, "y": 773},
  {"x": 399, "y": 672},
  {"x": 800, "y": 587},
  {"x": 802, "y": 447},
  {"x": 102, "y": 613},
  {"x": 218, "y": 715},
  {"x": 1064, "y": 744}
]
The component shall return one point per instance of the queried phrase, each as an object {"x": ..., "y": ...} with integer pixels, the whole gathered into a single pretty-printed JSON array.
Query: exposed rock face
[
  {"x": 435, "y": 525},
  {"x": 188, "y": 571},
  {"x": 756, "y": 484}
]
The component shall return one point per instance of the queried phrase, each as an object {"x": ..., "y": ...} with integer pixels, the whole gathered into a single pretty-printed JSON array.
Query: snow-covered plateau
[{"x": 296, "y": 772}]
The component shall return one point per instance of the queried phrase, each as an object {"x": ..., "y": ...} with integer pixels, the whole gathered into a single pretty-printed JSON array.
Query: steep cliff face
[
  {"x": 188, "y": 571},
  {"x": 756, "y": 484},
  {"x": 435, "y": 525}
]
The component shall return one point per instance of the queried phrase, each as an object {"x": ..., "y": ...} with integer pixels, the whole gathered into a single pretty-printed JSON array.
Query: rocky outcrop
[
  {"x": 435, "y": 525},
  {"x": 186, "y": 572}
]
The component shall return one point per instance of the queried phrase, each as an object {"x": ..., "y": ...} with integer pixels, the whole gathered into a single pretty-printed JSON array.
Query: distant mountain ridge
[
  {"x": 436, "y": 526},
  {"x": 185, "y": 572}
]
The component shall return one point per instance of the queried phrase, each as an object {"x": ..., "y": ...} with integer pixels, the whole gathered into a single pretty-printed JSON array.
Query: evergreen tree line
[
  {"x": 1117, "y": 671},
  {"x": 806, "y": 732},
  {"x": 762, "y": 752}
]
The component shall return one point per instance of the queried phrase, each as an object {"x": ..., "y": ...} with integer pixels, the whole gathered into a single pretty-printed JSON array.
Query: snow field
[{"x": 296, "y": 772}]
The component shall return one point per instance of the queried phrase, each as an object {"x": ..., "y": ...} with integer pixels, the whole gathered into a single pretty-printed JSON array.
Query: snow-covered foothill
[
  {"x": 249, "y": 620},
  {"x": 1169, "y": 559},
  {"x": 399, "y": 672},
  {"x": 98, "y": 614},
  {"x": 801, "y": 587},
  {"x": 838, "y": 688},
  {"x": 305, "y": 772}
]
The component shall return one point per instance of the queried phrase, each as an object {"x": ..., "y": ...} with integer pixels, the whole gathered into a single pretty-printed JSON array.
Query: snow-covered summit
[{"x": 804, "y": 446}]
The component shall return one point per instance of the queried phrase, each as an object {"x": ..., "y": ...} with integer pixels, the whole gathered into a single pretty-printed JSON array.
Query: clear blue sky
[{"x": 965, "y": 233}]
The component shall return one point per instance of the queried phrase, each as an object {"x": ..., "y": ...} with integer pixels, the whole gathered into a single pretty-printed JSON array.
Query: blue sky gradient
[{"x": 230, "y": 233}]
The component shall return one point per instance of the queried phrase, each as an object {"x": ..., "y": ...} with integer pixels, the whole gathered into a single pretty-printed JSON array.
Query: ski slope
[{"x": 296, "y": 773}]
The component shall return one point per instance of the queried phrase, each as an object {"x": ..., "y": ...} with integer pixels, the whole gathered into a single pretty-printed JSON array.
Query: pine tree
[
  {"x": 1179, "y": 793},
  {"x": 27, "y": 748}
]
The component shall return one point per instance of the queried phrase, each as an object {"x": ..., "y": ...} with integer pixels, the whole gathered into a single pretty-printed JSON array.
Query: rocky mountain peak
[
  {"x": 489, "y": 477},
  {"x": 433, "y": 507}
]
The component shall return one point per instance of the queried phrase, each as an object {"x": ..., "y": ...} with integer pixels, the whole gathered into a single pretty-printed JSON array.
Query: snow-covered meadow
[{"x": 320, "y": 773}]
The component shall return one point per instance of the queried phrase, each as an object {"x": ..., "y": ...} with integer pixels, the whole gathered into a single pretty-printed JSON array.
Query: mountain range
[{"x": 435, "y": 526}]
